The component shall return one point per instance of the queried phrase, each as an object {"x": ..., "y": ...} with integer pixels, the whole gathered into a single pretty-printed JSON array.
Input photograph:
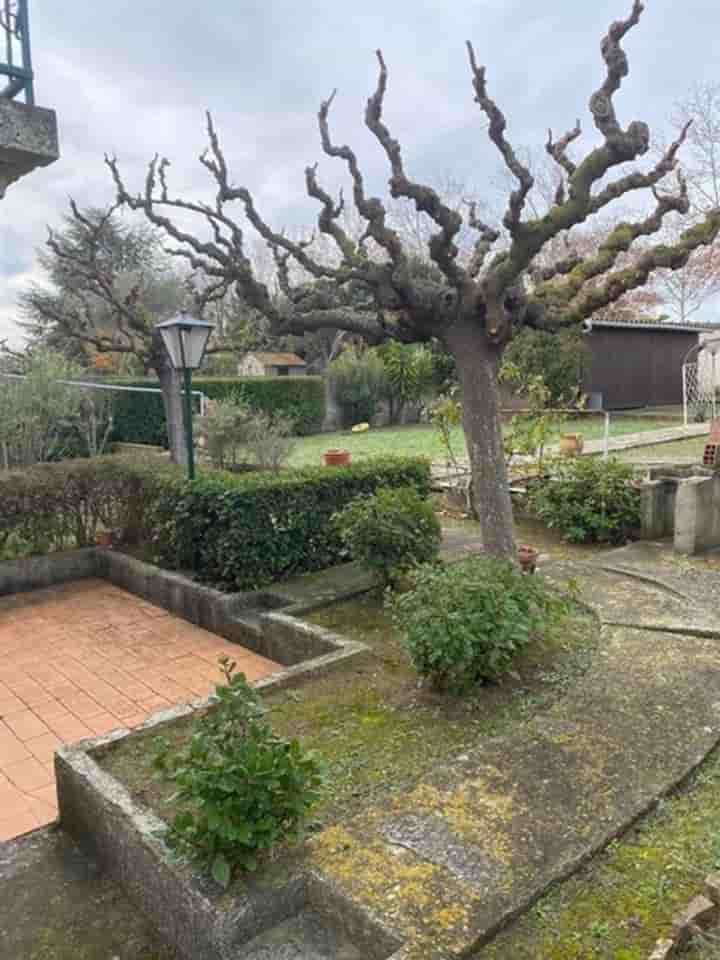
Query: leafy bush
[
  {"x": 223, "y": 430},
  {"x": 39, "y": 415},
  {"x": 269, "y": 440},
  {"x": 589, "y": 500},
  {"x": 558, "y": 358},
  {"x": 408, "y": 375},
  {"x": 238, "y": 532},
  {"x": 390, "y": 531},
  {"x": 241, "y": 532},
  {"x": 140, "y": 417},
  {"x": 357, "y": 380},
  {"x": 466, "y": 622},
  {"x": 60, "y": 505},
  {"x": 241, "y": 788}
]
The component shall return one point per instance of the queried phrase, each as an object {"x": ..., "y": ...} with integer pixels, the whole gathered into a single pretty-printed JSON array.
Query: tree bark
[
  {"x": 171, "y": 386},
  {"x": 478, "y": 363}
]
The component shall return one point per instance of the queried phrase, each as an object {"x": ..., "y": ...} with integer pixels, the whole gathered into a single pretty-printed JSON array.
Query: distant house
[
  {"x": 258, "y": 364},
  {"x": 639, "y": 364}
]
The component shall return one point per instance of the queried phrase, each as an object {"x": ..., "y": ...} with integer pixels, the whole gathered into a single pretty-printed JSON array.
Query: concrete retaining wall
[
  {"x": 200, "y": 921},
  {"x": 682, "y": 503}
]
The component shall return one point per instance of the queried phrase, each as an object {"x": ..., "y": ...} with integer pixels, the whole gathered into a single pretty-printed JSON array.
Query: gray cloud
[{"x": 133, "y": 79}]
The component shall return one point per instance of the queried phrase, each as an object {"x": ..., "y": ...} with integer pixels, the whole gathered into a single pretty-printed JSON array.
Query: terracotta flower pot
[
  {"x": 103, "y": 538},
  {"x": 336, "y": 458},
  {"x": 527, "y": 558},
  {"x": 571, "y": 444}
]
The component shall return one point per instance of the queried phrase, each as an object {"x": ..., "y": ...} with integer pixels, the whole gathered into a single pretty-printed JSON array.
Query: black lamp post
[{"x": 185, "y": 340}]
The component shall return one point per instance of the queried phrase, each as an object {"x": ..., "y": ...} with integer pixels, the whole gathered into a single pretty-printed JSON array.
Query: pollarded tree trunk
[
  {"x": 478, "y": 362},
  {"x": 171, "y": 386}
]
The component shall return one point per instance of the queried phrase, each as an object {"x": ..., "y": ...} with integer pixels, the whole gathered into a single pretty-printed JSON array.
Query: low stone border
[
  {"x": 244, "y": 618},
  {"x": 198, "y": 920}
]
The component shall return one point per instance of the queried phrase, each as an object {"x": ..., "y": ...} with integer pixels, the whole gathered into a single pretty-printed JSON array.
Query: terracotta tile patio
[{"x": 83, "y": 659}]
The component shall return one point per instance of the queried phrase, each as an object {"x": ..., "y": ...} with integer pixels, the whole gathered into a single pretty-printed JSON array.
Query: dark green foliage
[
  {"x": 589, "y": 500},
  {"x": 140, "y": 417},
  {"x": 357, "y": 379},
  {"x": 559, "y": 358},
  {"x": 59, "y": 505},
  {"x": 241, "y": 788},
  {"x": 467, "y": 622},
  {"x": 235, "y": 531},
  {"x": 390, "y": 531},
  {"x": 243, "y": 531}
]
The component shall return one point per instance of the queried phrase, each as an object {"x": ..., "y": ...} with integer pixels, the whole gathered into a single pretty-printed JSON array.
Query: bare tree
[
  {"x": 473, "y": 308},
  {"x": 110, "y": 287}
]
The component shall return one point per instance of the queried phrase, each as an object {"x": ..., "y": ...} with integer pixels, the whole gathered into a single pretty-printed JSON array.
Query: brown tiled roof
[{"x": 278, "y": 359}]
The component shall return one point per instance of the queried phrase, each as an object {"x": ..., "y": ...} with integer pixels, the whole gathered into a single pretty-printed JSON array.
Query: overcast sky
[{"x": 135, "y": 78}]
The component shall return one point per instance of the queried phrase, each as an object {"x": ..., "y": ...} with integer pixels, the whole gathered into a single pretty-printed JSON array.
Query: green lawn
[{"x": 424, "y": 441}]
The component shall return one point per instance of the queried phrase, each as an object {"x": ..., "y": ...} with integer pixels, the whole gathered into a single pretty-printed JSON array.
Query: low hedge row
[
  {"x": 140, "y": 417},
  {"x": 54, "y": 506},
  {"x": 243, "y": 532},
  {"x": 236, "y": 532}
]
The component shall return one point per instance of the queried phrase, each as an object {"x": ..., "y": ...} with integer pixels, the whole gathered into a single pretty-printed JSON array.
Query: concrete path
[
  {"x": 57, "y": 904},
  {"x": 475, "y": 845},
  {"x": 647, "y": 438}
]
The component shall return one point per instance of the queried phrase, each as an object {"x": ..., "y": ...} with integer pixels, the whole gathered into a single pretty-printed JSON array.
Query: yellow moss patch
[{"x": 420, "y": 900}]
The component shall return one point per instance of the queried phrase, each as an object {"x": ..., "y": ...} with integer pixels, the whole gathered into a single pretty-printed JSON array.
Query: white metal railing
[{"x": 93, "y": 385}]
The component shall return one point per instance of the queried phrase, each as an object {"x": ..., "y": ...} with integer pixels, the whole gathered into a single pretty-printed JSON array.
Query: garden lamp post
[{"x": 185, "y": 340}]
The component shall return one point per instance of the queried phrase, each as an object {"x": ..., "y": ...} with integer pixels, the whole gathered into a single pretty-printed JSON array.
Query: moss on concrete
[
  {"x": 377, "y": 730},
  {"x": 618, "y": 907}
]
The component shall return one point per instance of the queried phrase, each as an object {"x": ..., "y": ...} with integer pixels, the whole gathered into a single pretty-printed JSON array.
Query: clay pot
[
  {"x": 571, "y": 444},
  {"x": 336, "y": 458},
  {"x": 527, "y": 558},
  {"x": 103, "y": 538}
]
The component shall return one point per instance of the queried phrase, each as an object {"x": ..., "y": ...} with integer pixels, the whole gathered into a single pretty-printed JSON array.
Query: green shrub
[
  {"x": 140, "y": 417},
  {"x": 390, "y": 531},
  {"x": 244, "y": 531},
  {"x": 60, "y": 505},
  {"x": 467, "y": 622},
  {"x": 357, "y": 380},
  {"x": 241, "y": 788},
  {"x": 408, "y": 375},
  {"x": 589, "y": 500},
  {"x": 558, "y": 357}
]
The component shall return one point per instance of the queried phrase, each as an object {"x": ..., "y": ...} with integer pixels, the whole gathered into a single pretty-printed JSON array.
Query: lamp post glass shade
[{"x": 185, "y": 340}]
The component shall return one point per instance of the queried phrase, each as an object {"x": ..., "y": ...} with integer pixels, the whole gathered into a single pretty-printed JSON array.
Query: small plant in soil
[{"x": 241, "y": 789}]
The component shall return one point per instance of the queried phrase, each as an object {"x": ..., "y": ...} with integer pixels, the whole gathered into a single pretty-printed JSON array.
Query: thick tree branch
[
  {"x": 487, "y": 239},
  {"x": 619, "y": 241},
  {"x": 370, "y": 208},
  {"x": 593, "y": 298},
  {"x": 620, "y": 146},
  {"x": 496, "y": 132},
  {"x": 443, "y": 250},
  {"x": 558, "y": 149}
]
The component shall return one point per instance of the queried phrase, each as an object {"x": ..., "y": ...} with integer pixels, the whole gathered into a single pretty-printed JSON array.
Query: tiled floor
[{"x": 83, "y": 659}]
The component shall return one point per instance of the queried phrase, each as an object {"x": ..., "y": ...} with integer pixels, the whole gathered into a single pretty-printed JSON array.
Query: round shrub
[
  {"x": 390, "y": 531},
  {"x": 466, "y": 622},
  {"x": 589, "y": 500}
]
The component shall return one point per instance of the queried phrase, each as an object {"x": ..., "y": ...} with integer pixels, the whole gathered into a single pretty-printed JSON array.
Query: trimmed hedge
[
  {"x": 236, "y": 532},
  {"x": 140, "y": 417},
  {"x": 55, "y": 506},
  {"x": 244, "y": 532}
]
